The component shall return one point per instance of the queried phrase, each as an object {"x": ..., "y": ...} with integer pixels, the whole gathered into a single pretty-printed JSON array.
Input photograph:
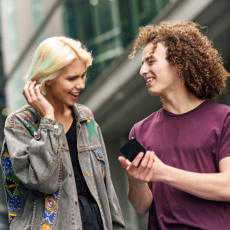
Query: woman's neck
[{"x": 61, "y": 110}]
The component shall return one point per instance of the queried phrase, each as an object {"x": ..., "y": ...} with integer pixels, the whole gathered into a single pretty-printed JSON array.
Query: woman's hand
[{"x": 36, "y": 100}]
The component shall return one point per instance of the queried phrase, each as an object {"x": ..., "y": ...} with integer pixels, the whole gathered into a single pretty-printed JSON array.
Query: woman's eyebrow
[
  {"x": 84, "y": 73},
  {"x": 76, "y": 75}
]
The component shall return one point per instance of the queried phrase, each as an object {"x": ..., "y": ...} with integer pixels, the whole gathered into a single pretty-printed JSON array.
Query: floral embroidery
[
  {"x": 11, "y": 186},
  {"x": 51, "y": 205},
  {"x": 11, "y": 182}
]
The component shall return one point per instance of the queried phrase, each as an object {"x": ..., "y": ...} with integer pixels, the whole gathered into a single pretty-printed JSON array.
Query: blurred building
[
  {"x": 3, "y": 209},
  {"x": 115, "y": 92}
]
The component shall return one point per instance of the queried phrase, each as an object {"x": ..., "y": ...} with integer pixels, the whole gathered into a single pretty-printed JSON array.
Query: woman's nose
[{"x": 80, "y": 84}]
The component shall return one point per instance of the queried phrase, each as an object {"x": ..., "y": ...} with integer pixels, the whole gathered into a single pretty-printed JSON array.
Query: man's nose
[{"x": 144, "y": 70}]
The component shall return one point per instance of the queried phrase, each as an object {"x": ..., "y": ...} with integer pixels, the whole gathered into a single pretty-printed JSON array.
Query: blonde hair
[{"x": 52, "y": 55}]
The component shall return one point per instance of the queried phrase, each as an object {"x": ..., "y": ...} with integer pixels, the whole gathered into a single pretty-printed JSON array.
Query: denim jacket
[{"x": 38, "y": 174}]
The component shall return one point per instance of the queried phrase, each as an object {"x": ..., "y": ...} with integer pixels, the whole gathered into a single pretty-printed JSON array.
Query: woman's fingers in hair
[
  {"x": 26, "y": 87},
  {"x": 31, "y": 91},
  {"x": 37, "y": 91},
  {"x": 25, "y": 92}
]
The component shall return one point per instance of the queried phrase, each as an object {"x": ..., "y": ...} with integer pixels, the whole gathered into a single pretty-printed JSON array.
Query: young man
[{"x": 185, "y": 182}]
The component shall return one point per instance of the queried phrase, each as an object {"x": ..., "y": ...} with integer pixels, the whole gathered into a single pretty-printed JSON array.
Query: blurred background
[{"x": 115, "y": 92}]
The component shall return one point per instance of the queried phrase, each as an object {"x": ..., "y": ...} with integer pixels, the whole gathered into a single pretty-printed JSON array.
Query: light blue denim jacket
[{"x": 38, "y": 174}]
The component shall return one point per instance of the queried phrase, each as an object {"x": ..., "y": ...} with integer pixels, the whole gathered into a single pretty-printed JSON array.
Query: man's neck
[{"x": 180, "y": 103}]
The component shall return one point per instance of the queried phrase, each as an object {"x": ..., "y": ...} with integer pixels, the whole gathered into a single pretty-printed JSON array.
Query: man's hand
[
  {"x": 139, "y": 173},
  {"x": 36, "y": 99},
  {"x": 140, "y": 170}
]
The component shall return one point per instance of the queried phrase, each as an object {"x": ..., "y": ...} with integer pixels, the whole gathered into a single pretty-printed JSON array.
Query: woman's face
[{"x": 67, "y": 86}]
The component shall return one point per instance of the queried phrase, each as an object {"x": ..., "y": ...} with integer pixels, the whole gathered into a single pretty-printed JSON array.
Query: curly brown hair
[{"x": 200, "y": 66}]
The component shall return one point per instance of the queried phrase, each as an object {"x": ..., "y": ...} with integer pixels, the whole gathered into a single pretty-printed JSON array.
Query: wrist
[
  {"x": 136, "y": 183},
  {"x": 166, "y": 176},
  {"x": 49, "y": 115}
]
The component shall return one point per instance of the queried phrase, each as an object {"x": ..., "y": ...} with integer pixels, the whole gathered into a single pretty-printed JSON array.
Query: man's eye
[
  {"x": 150, "y": 62},
  {"x": 71, "y": 78}
]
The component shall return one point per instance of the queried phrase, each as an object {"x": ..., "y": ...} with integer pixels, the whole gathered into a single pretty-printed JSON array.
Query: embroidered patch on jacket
[
  {"x": 45, "y": 227},
  {"x": 103, "y": 174},
  {"x": 88, "y": 113},
  {"x": 51, "y": 205},
  {"x": 28, "y": 120},
  {"x": 90, "y": 125},
  {"x": 99, "y": 152},
  {"x": 11, "y": 186},
  {"x": 37, "y": 123},
  {"x": 32, "y": 130}
]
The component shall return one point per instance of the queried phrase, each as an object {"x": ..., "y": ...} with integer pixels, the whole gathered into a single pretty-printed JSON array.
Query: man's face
[{"x": 162, "y": 78}]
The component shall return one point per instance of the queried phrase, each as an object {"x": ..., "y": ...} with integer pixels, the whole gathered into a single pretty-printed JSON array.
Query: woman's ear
[{"x": 48, "y": 82}]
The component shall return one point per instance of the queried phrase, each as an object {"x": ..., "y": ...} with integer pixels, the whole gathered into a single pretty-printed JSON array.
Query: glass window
[{"x": 106, "y": 27}]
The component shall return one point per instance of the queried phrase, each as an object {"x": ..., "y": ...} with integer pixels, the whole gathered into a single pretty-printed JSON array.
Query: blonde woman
[{"x": 54, "y": 162}]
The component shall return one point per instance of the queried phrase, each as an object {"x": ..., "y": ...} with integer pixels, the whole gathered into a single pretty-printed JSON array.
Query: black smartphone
[{"x": 131, "y": 149}]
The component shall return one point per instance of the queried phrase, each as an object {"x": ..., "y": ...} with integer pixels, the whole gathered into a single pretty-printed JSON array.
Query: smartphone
[{"x": 131, "y": 149}]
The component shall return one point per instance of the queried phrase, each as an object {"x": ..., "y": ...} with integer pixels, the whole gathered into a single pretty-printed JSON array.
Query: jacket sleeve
[
  {"x": 115, "y": 210},
  {"x": 35, "y": 161}
]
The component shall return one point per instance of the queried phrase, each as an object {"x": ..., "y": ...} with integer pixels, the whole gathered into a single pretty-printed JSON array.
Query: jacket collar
[{"x": 79, "y": 114}]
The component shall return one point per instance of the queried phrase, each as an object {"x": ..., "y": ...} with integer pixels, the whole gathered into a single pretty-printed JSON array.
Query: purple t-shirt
[{"x": 194, "y": 141}]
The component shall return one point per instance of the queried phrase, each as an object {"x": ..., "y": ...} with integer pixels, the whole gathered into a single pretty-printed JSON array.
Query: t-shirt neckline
[{"x": 177, "y": 115}]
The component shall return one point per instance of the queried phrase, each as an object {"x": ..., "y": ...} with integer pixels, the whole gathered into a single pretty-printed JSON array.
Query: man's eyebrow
[{"x": 148, "y": 57}]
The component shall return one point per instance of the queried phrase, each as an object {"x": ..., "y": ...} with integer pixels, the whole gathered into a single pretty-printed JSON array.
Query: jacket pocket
[
  {"x": 99, "y": 154},
  {"x": 101, "y": 160}
]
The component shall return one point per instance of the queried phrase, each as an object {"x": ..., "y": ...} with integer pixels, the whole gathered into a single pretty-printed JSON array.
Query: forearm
[
  {"x": 212, "y": 186},
  {"x": 140, "y": 196}
]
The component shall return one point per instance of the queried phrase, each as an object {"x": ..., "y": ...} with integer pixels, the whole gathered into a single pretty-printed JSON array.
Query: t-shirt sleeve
[
  {"x": 132, "y": 133},
  {"x": 224, "y": 147}
]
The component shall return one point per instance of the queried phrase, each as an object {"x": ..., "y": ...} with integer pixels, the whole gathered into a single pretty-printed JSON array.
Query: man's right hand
[{"x": 139, "y": 170}]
